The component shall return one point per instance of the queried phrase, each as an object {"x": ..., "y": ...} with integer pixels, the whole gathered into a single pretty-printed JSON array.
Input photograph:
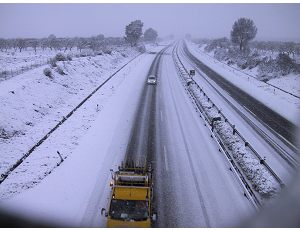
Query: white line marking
[{"x": 166, "y": 160}]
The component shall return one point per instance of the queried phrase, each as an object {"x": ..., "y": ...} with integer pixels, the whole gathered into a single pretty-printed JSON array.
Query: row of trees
[
  {"x": 54, "y": 43},
  {"x": 290, "y": 48},
  {"x": 239, "y": 50},
  {"x": 243, "y": 31},
  {"x": 133, "y": 33}
]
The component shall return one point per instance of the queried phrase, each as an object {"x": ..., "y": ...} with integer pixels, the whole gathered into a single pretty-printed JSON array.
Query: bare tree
[
  {"x": 44, "y": 43},
  {"x": 34, "y": 43},
  {"x": 81, "y": 43},
  {"x": 52, "y": 41},
  {"x": 69, "y": 44},
  {"x": 243, "y": 30},
  {"x": 2, "y": 44},
  {"x": 93, "y": 43},
  {"x": 21, "y": 44},
  {"x": 14, "y": 44},
  {"x": 290, "y": 48}
]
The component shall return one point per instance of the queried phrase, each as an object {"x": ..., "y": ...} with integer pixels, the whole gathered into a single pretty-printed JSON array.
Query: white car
[{"x": 151, "y": 79}]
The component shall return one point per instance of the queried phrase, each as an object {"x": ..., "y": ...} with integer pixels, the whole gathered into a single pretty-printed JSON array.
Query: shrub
[
  {"x": 69, "y": 57},
  {"x": 47, "y": 72},
  {"x": 53, "y": 63},
  {"x": 107, "y": 50},
  {"x": 220, "y": 54},
  {"x": 60, "y": 57},
  {"x": 285, "y": 63},
  {"x": 60, "y": 71},
  {"x": 141, "y": 48},
  {"x": 267, "y": 69}
]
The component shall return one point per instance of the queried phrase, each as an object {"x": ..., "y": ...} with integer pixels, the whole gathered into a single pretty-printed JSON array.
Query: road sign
[{"x": 192, "y": 72}]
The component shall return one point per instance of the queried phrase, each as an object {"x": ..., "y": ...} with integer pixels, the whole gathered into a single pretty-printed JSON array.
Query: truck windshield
[{"x": 128, "y": 210}]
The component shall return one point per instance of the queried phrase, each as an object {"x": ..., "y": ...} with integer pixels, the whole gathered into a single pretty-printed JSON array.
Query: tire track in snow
[{"x": 200, "y": 196}]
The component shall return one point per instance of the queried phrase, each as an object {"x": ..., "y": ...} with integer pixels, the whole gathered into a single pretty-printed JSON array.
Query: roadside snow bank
[
  {"x": 268, "y": 95},
  {"x": 261, "y": 179},
  {"x": 74, "y": 193}
]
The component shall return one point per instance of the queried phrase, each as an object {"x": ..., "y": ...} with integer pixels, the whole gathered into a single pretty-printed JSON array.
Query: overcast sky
[{"x": 274, "y": 21}]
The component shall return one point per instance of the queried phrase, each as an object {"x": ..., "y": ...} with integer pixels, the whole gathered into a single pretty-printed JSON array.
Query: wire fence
[
  {"x": 244, "y": 73},
  {"x": 8, "y": 73}
]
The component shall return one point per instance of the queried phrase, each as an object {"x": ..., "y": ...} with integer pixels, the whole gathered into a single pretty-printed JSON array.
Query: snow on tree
[
  {"x": 81, "y": 43},
  {"x": 52, "y": 41},
  {"x": 21, "y": 43},
  {"x": 34, "y": 43},
  {"x": 150, "y": 35},
  {"x": 285, "y": 64},
  {"x": 243, "y": 30},
  {"x": 3, "y": 44},
  {"x": 100, "y": 36},
  {"x": 133, "y": 32},
  {"x": 68, "y": 44}
]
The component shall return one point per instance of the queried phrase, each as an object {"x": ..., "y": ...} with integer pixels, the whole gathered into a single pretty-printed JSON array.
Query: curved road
[
  {"x": 193, "y": 184},
  {"x": 266, "y": 115}
]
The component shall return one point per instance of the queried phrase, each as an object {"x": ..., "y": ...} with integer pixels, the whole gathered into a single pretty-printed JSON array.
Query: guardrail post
[{"x": 262, "y": 161}]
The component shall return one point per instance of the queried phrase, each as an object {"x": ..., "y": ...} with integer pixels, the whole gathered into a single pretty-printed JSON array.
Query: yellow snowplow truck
[{"x": 131, "y": 199}]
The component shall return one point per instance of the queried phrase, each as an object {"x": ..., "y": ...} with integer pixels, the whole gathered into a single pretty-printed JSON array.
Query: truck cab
[{"x": 131, "y": 196}]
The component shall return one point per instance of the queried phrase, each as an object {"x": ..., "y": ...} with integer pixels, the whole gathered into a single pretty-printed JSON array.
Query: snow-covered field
[
  {"x": 94, "y": 139},
  {"x": 14, "y": 62},
  {"x": 270, "y": 96},
  {"x": 68, "y": 193},
  {"x": 289, "y": 83},
  {"x": 32, "y": 104}
]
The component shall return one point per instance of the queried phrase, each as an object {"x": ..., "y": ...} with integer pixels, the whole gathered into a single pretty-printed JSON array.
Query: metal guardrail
[
  {"x": 183, "y": 71},
  {"x": 262, "y": 161},
  {"x": 248, "y": 193},
  {"x": 291, "y": 160}
]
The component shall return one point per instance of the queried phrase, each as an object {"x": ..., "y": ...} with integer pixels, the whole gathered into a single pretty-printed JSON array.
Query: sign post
[{"x": 192, "y": 72}]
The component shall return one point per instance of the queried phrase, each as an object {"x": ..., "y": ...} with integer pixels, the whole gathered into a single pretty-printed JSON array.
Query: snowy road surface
[
  {"x": 141, "y": 144},
  {"x": 236, "y": 113},
  {"x": 75, "y": 192},
  {"x": 194, "y": 186},
  {"x": 279, "y": 124}
]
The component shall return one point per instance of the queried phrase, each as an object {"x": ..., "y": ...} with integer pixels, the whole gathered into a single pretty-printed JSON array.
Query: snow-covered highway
[
  {"x": 280, "y": 152},
  {"x": 194, "y": 185}
]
